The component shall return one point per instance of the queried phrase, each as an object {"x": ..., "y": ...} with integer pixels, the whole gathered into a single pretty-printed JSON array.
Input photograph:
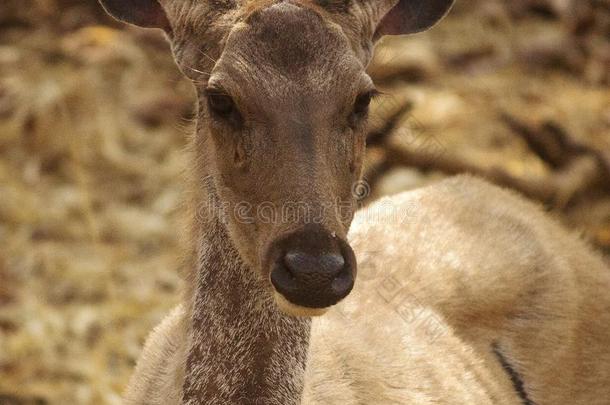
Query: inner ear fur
[
  {"x": 411, "y": 16},
  {"x": 143, "y": 13}
]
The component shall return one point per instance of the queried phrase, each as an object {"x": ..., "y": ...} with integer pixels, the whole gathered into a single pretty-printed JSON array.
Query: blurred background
[{"x": 94, "y": 117}]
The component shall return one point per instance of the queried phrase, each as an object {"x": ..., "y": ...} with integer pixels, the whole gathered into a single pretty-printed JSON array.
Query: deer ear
[
  {"x": 411, "y": 16},
  {"x": 143, "y": 13}
]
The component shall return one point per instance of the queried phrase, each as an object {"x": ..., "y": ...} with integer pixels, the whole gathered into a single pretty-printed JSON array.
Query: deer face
[{"x": 283, "y": 102}]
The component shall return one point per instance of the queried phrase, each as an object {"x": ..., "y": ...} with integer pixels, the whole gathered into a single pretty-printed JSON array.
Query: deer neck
[{"x": 242, "y": 349}]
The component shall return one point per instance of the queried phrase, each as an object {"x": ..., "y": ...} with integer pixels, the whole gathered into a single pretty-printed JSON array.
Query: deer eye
[
  {"x": 361, "y": 105},
  {"x": 221, "y": 104},
  {"x": 361, "y": 108}
]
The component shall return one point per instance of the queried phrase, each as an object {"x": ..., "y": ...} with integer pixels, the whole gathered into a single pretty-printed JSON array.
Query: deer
[{"x": 466, "y": 292}]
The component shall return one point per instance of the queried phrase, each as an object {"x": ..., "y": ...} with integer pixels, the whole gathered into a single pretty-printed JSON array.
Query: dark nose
[
  {"x": 307, "y": 266},
  {"x": 313, "y": 268}
]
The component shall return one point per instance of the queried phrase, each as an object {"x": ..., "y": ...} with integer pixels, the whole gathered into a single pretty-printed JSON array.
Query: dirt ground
[{"x": 94, "y": 118}]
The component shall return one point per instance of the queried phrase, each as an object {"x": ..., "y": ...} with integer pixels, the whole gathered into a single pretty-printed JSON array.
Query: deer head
[{"x": 283, "y": 102}]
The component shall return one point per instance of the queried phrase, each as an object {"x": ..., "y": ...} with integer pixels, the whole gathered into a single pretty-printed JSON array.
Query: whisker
[
  {"x": 199, "y": 71},
  {"x": 207, "y": 56}
]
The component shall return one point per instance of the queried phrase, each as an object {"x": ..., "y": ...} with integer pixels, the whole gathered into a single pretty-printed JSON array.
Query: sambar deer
[{"x": 474, "y": 297}]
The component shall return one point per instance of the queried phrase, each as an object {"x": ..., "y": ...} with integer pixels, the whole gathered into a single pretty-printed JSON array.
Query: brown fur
[
  {"x": 467, "y": 267},
  {"x": 501, "y": 273},
  {"x": 279, "y": 84}
]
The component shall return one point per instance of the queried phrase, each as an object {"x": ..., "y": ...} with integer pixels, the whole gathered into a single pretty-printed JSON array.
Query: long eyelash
[{"x": 376, "y": 93}]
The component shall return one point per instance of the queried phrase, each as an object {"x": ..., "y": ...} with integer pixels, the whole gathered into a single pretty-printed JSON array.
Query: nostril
[
  {"x": 299, "y": 263},
  {"x": 311, "y": 267}
]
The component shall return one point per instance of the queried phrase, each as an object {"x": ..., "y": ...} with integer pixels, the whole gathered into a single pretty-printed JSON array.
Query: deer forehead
[{"x": 287, "y": 47}]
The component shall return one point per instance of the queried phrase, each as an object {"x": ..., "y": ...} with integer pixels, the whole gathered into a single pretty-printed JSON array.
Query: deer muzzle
[{"x": 312, "y": 267}]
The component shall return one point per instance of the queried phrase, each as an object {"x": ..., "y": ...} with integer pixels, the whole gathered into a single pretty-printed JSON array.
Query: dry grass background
[{"x": 94, "y": 117}]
